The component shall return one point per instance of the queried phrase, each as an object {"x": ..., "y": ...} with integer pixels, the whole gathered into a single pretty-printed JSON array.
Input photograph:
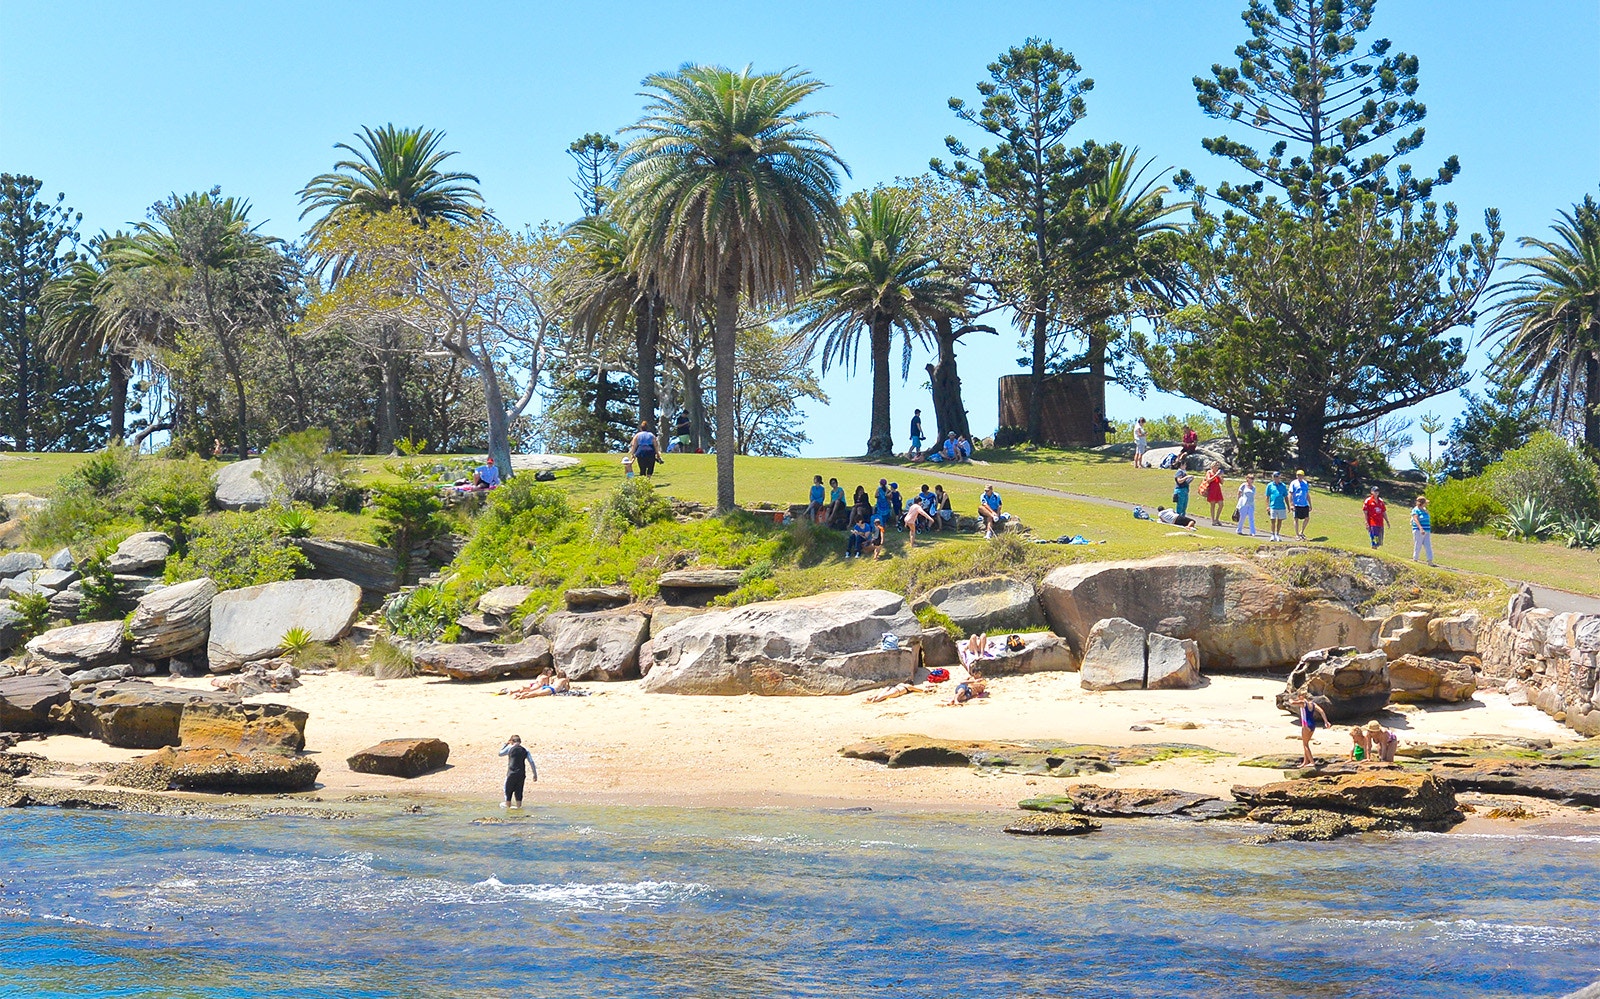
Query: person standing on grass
[
  {"x": 643, "y": 449},
  {"x": 915, "y": 515},
  {"x": 1181, "y": 480},
  {"x": 1300, "y": 499},
  {"x": 1141, "y": 440},
  {"x": 1277, "y": 505},
  {"x": 1212, "y": 491},
  {"x": 518, "y": 763},
  {"x": 1244, "y": 505},
  {"x": 1421, "y": 531},
  {"x": 1377, "y": 512},
  {"x": 916, "y": 433}
]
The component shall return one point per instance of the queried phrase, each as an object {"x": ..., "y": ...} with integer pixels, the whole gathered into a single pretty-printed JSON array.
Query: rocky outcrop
[
  {"x": 11, "y": 625},
  {"x": 831, "y": 643},
  {"x": 1455, "y": 633},
  {"x": 239, "y": 486},
  {"x": 135, "y": 714},
  {"x": 1044, "y": 758},
  {"x": 603, "y": 646},
  {"x": 1349, "y": 685},
  {"x": 242, "y": 727},
  {"x": 218, "y": 771},
  {"x": 500, "y": 602},
  {"x": 1123, "y": 802},
  {"x": 250, "y": 623},
  {"x": 593, "y": 598},
  {"x": 100, "y": 674},
  {"x": 1553, "y": 660},
  {"x": 78, "y": 646},
  {"x": 1414, "y": 679},
  {"x": 17, "y": 563},
  {"x": 989, "y": 604},
  {"x": 173, "y": 620},
  {"x": 401, "y": 757},
  {"x": 1241, "y": 617},
  {"x": 1574, "y": 785},
  {"x": 371, "y": 567},
  {"x": 485, "y": 661},
  {"x": 1041, "y": 652},
  {"x": 33, "y": 703},
  {"x": 1323, "y": 807},
  {"x": 1051, "y": 825},
  {"x": 1171, "y": 663},
  {"x": 697, "y": 587},
  {"x": 140, "y": 553},
  {"x": 938, "y": 648},
  {"x": 1113, "y": 656},
  {"x": 264, "y": 676}
]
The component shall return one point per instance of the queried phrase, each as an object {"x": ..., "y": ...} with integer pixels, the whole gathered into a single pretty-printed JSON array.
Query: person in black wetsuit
[{"x": 518, "y": 763}]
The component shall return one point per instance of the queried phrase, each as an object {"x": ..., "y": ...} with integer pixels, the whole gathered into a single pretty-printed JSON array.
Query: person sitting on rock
[
  {"x": 817, "y": 499},
  {"x": 1381, "y": 743},
  {"x": 975, "y": 649}
]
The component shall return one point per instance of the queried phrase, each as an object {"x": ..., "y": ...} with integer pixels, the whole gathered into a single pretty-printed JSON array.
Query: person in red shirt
[{"x": 1377, "y": 517}]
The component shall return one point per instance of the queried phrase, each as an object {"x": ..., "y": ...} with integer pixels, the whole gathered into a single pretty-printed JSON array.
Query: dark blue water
[{"x": 581, "y": 902}]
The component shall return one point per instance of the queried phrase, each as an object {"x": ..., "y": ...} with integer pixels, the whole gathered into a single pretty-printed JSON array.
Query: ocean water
[{"x": 643, "y": 902}]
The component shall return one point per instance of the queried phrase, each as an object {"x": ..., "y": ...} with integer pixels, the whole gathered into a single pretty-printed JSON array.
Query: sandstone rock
[
  {"x": 662, "y": 618},
  {"x": 1420, "y": 678},
  {"x": 78, "y": 646},
  {"x": 173, "y": 620},
  {"x": 989, "y": 604},
  {"x": 1405, "y": 642},
  {"x": 1456, "y": 633},
  {"x": 543, "y": 462},
  {"x": 62, "y": 559},
  {"x": 1119, "y": 802},
  {"x": 1348, "y": 684},
  {"x": 17, "y": 563},
  {"x": 242, "y": 727},
  {"x": 830, "y": 643},
  {"x": 485, "y": 661},
  {"x": 218, "y": 770},
  {"x": 136, "y": 714},
  {"x": 239, "y": 487},
  {"x": 1113, "y": 656},
  {"x": 401, "y": 757},
  {"x": 250, "y": 623},
  {"x": 369, "y": 566},
  {"x": 28, "y": 703},
  {"x": 938, "y": 648},
  {"x": 1171, "y": 663},
  {"x": 65, "y": 604},
  {"x": 11, "y": 624},
  {"x": 1041, "y": 652},
  {"x": 697, "y": 587},
  {"x": 1051, "y": 825},
  {"x": 593, "y": 598},
  {"x": 100, "y": 674},
  {"x": 52, "y": 579},
  {"x": 141, "y": 553},
  {"x": 1574, "y": 785},
  {"x": 478, "y": 624},
  {"x": 1418, "y": 801},
  {"x": 501, "y": 601},
  {"x": 603, "y": 646}
]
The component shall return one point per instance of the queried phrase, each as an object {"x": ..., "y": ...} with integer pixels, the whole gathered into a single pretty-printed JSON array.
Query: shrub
[
  {"x": 1261, "y": 446},
  {"x": 35, "y": 611},
  {"x": 87, "y": 501},
  {"x": 1010, "y": 436},
  {"x": 166, "y": 495},
  {"x": 390, "y": 662},
  {"x": 426, "y": 613},
  {"x": 238, "y": 550},
  {"x": 632, "y": 504},
  {"x": 1459, "y": 505},
  {"x": 1551, "y": 469},
  {"x": 1581, "y": 532},
  {"x": 101, "y": 591},
  {"x": 1169, "y": 427},
  {"x": 1528, "y": 519},
  {"x": 300, "y": 468},
  {"x": 407, "y": 513},
  {"x": 295, "y": 639}
]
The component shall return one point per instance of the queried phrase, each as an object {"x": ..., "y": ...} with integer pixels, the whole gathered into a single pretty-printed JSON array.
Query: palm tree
[
  {"x": 607, "y": 293},
  {"x": 730, "y": 195},
  {"x": 1549, "y": 318},
  {"x": 879, "y": 276},
  {"x": 395, "y": 169}
]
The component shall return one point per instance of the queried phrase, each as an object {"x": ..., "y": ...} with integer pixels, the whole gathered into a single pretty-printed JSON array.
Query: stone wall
[{"x": 1553, "y": 660}]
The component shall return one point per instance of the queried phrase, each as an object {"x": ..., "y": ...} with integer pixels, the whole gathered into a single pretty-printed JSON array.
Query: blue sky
[{"x": 119, "y": 104}]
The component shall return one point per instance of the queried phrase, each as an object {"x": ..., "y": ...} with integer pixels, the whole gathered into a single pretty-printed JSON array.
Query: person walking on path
[
  {"x": 1181, "y": 479},
  {"x": 643, "y": 449},
  {"x": 916, "y": 433},
  {"x": 518, "y": 763},
  {"x": 1421, "y": 531},
  {"x": 1277, "y": 505},
  {"x": 1244, "y": 505},
  {"x": 1141, "y": 440},
  {"x": 989, "y": 510},
  {"x": 1312, "y": 717},
  {"x": 1300, "y": 499},
  {"x": 1377, "y": 512},
  {"x": 1212, "y": 491}
]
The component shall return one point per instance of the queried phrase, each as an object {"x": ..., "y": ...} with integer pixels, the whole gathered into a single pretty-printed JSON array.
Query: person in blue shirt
[
  {"x": 862, "y": 534},
  {"x": 819, "y": 497},
  {"x": 989, "y": 510},
  {"x": 486, "y": 475},
  {"x": 1421, "y": 530},
  {"x": 1277, "y": 504},
  {"x": 643, "y": 449},
  {"x": 838, "y": 509},
  {"x": 880, "y": 503},
  {"x": 1300, "y": 499},
  {"x": 952, "y": 450}
]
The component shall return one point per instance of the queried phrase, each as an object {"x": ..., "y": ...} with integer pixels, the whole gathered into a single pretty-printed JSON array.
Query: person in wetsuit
[{"x": 518, "y": 763}]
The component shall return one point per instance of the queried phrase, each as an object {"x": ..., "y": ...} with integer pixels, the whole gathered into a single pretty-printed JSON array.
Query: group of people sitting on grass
[
  {"x": 952, "y": 449},
  {"x": 867, "y": 519},
  {"x": 483, "y": 478}
]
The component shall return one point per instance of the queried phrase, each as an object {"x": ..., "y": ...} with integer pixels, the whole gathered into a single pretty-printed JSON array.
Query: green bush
[
  {"x": 1263, "y": 447},
  {"x": 1551, "y": 469},
  {"x": 1528, "y": 519},
  {"x": 237, "y": 550},
  {"x": 633, "y": 504},
  {"x": 1460, "y": 505},
  {"x": 407, "y": 513},
  {"x": 166, "y": 495},
  {"x": 300, "y": 468},
  {"x": 1169, "y": 427},
  {"x": 87, "y": 503},
  {"x": 296, "y": 523},
  {"x": 35, "y": 611},
  {"x": 101, "y": 591}
]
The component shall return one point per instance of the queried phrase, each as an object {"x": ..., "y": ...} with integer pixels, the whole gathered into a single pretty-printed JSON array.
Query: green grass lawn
[{"x": 34, "y": 473}]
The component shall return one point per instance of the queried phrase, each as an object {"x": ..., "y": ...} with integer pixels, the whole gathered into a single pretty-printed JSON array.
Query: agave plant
[
  {"x": 1581, "y": 532},
  {"x": 1528, "y": 519},
  {"x": 295, "y": 639},
  {"x": 296, "y": 523}
]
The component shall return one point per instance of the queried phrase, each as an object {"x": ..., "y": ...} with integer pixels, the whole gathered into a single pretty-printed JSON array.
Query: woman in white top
[
  {"x": 1141, "y": 439},
  {"x": 1245, "y": 505}
]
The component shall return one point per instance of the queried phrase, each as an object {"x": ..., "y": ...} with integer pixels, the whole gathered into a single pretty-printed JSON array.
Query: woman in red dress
[{"x": 1212, "y": 490}]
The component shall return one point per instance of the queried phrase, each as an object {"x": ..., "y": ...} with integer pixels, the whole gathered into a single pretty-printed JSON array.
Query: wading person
[
  {"x": 518, "y": 763},
  {"x": 1300, "y": 499}
]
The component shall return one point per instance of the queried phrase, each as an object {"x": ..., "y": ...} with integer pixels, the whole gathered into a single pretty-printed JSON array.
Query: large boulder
[
  {"x": 831, "y": 643},
  {"x": 371, "y": 567},
  {"x": 938, "y": 647},
  {"x": 79, "y": 646},
  {"x": 1455, "y": 633},
  {"x": 242, "y": 727},
  {"x": 603, "y": 646},
  {"x": 484, "y": 661},
  {"x": 11, "y": 625},
  {"x": 250, "y": 623},
  {"x": 218, "y": 771},
  {"x": 52, "y": 579},
  {"x": 136, "y": 714},
  {"x": 1041, "y": 652},
  {"x": 141, "y": 553},
  {"x": 22, "y": 586},
  {"x": 1416, "y": 800},
  {"x": 1113, "y": 656},
  {"x": 29, "y": 703},
  {"x": 1421, "y": 678},
  {"x": 697, "y": 587},
  {"x": 239, "y": 487},
  {"x": 1171, "y": 663},
  {"x": 1348, "y": 684},
  {"x": 173, "y": 620},
  {"x": 989, "y": 604},
  {"x": 502, "y": 601},
  {"x": 62, "y": 559},
  {"x": 401, "y": 757},
  {"x": 1241, "y": 617},
  {"x": 17, "y": 563}
]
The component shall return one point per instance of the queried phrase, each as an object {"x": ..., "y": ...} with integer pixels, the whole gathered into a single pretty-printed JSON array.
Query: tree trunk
[
  {"x": 389, "y": 401},
  {"x": 646, "y": 334},
  {"x": 602, "y": 409},
  {"x": 880, "y": 440},
  {"x": 24, "y": 376},
  {"x": 1591, "y": 399},
  {"x": 1311, "y": 437},
  {"x": 120, "y": 369},
  {"x": 495, "y": 409},
  {"x": 694, "y": 391},
  {"x": 1036, "y": 396},
  {"x": 948, "y": 411},
  {"x": 723, "y": 337}
]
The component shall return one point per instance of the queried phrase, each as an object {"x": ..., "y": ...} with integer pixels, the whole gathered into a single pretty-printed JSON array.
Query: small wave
[
  {"x": 1543, "y": 837},
  {"x": 1474, "y": 930},
  {"x": 611, "y": 894}
]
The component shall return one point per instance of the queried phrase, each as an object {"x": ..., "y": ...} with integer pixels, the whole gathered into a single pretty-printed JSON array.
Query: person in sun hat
[{"x": 1381, "y": 743}]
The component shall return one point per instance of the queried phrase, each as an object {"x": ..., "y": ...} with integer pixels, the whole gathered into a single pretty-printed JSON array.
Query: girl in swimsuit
[{"x": 1310, "y": 712}]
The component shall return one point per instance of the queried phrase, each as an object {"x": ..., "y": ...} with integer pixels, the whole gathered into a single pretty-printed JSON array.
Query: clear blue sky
[{"x": 119, "y": 104}]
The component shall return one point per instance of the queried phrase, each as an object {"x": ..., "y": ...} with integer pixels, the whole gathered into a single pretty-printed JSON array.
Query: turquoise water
[{"x": 581, "y": 902}]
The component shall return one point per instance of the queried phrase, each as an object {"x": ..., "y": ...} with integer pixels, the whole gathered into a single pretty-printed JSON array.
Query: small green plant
[
  {"x": 347, "y": 657},
  {"x": 409, "y": 447},
  {"x": 426, "y": 612},
  {"x": 1528, "y": 519},
  {"x": 35, "y": 611},
  {"x": 311, "y": 655},
  {"x": 932, "y": 617},
  {"x": 238, "y": 550},
  {"x": 101, "y": 591},
  {"x": 1581, "y": 532},
  {"x": 390, "y": 662},
  {"x": 632, "y": 504},
  {"x": 301, "y": 468},
  {"x": 295, "y": 639},
  {"x": 296, "y": 523},
  {"x": 407, "y": 513}
]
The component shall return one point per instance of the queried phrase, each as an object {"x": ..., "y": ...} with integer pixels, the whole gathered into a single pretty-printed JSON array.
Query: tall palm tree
[
  {"x": 394, "y": 169},
  {"x": 730, "y": 195},
  {"x": 1549, "y": 319},
  {"x": 879, "y": 276},
  {"x": 606, "y": 293}
]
